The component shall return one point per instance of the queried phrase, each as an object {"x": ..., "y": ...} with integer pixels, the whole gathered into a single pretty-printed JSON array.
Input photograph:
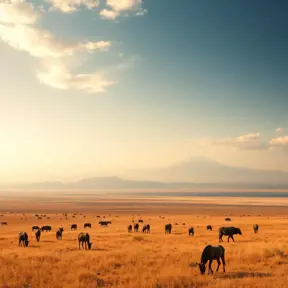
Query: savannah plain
[{"x": 122, "y": 259}]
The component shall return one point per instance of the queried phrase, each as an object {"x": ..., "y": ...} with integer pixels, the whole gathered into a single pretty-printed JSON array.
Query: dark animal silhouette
[
  {"x": 38, "y": 235},
  {"x": 104, "y": 223},
  {"x": 136, "y": 227},
  {"x": 46, "y": 228},
  {"x": 227, "y": 219},
  {"x": 130, "y": 228},
  {"x": 209, "y": 227},
  {"x": 211, "y": 253},
  {"x": 4, "y": 223},
  {"x": 35, "y": 228},
  {"x": 87, "y": 225},
  {"x": 146, "y": 228},
  {"x": 168, "y": 228},
  {"x": 140, "y": 221},
  {"x": 84, "y": 239},
  {"x": 191, "y": 231},
  {"x": 74, "y": 227},
  {"x": 23, "y": 239},
  {"x": 228, "y": 231},
  {"x": 59, "y": 233},
  {"x": 255, "y": 228}
]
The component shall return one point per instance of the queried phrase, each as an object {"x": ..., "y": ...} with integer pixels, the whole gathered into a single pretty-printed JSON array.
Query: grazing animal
[
  {"x": 191, "y": 231},
  {"x": 86, "y": 225},
  {"x": 59, "y": 233},
  {"x": 227, "y": 219},
  {"x": 140, "y": 221},
  {"x": 130, "y": 228},
  {"x": 4, "y": 223},
  {"x": 255, "y": 228},
  {"x": 228, "y": 231},
  {"x": 74, "y": 227},
  {"x": 211, "y": 253},
  {"x": 136, "y": 227},
  {"x": 35, "y": 228},
  {"x": 84, "y": 238},
  {"x": 104, "y": 223},
  {"x": 38, "y": 235},
  {"x": 146, "y": 228},
  {"x": 46, "y": 228},
  {"x": 168, "y": 228},
  {"x": 209, "y": 227},
  {"x": 23, "y": 239}
]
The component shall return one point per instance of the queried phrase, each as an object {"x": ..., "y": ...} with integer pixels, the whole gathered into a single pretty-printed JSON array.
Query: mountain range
[{"x": 195, "y": 173}]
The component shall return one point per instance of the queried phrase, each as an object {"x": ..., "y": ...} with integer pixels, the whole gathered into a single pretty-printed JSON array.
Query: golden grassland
[{"x": 122, "y": 259}]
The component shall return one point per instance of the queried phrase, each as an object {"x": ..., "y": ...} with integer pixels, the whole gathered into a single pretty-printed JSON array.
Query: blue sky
[{"x": 96, "y": 88}]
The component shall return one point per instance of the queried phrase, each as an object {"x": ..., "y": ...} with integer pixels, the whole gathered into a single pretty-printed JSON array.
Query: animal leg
[
  {"x": 232, "y": 238},
  {"x": 218, "y": 261},
  {"x": 229, "y": 238},
  {"x": 210, "y": 268},
  {"x": 223, "y": 262}
]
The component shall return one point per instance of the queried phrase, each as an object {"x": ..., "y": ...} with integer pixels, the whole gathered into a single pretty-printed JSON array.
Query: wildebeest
[
  {"x": 168, "y": 228},
  {"x": 86, "y": 225},
  {"x": 255, "y": 228},
  {"x": 136, "y": 227},
  {"x": 59, "y": 233},
  {"x": 84, "y": 238},
  {"x": 46, "y": 228},
  {"x": 140, "y": 221},
  {"x": 104, "y": 223},
  {"x": 23, "y": 239},
  {"x": 38, "y": 235},
  {"x": 146, "y": 228},
  {"x": 191, "y": 231},
  {"x": 209, "y": 227},
  {"x": 228, "y": 231},
  {"x": 211, "y": 253},
  {"x": 227, "y": 219},
  {"x": 129, "y": 228},
  {"x": 35, "y": 228},
  {"x": 74, "y": 227},
  {"x": 4, "y": 223}
]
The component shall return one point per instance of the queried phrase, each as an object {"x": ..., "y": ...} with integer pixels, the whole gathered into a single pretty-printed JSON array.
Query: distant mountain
[
  {"x": 195, "y": 173},
  {"x": 201, "y": 170}
]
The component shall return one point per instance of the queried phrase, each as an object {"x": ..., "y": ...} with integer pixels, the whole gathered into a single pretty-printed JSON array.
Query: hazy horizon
[{"x": 105, "y": 88}]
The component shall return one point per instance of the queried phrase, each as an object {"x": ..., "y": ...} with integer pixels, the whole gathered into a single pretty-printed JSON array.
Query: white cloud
[
  {"x": 41, "y": 43},
  {"x": 109, "y": 14},
  {"x": 17, "y": 12},
  {"x": 58, "y": 76},
  {"x": 68, "y": 6},
  {"x": 124, "y": 5},
  {"x": 247, "y": 141},
  {"x": 18, "y": 29},
  {"x": 279, "y": 141},
  {"x": 116, "y": 7}
]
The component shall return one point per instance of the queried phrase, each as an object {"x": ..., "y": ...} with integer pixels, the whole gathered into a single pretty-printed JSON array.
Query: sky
[{"x": 97, "y": 87}]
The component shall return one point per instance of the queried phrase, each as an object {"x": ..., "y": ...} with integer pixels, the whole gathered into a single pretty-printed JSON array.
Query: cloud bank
[{"x": 19, "y": 30}]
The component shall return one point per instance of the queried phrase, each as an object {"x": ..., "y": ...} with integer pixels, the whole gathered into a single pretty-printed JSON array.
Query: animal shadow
[{"x": 243, "y": 274}]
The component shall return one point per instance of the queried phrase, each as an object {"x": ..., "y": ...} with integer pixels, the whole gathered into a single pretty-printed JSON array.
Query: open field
[{"x": 122, "y": 259}]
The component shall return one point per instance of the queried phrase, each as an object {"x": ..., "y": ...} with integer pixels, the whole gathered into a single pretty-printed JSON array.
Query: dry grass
[{"x": 122, "y": 259}]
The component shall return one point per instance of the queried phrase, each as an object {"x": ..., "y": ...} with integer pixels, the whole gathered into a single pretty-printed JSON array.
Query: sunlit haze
[{"x": 103, "y": 88}]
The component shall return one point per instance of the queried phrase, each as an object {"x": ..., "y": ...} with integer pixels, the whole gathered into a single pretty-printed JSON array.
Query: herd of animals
[{"x": 209, "y": 253}]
